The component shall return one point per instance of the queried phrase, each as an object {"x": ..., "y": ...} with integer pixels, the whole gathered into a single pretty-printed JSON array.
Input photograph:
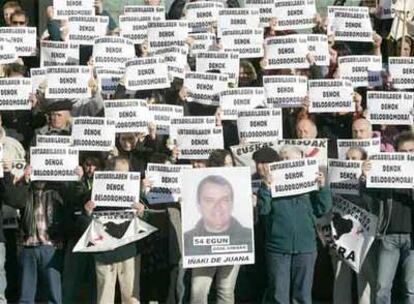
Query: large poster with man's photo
[{"x": 217, "y": 217}]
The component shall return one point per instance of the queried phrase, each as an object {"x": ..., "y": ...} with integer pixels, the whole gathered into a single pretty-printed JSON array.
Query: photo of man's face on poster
[
  {"x": 217, "y": 220},
  {"x": 215, "y": 203}
]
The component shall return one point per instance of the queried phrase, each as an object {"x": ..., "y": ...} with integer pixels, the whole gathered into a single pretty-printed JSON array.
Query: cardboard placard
[
  {"x": 15, "y": 93},
  {"x": 390, "y": 108},
  {"x": 260, "y": 125},
  {"x": 285, "y": 91},
  {"x": 54, "y": 164},
  {"x": 65, "y": 82},
  {"x": 146, "y": 73}
]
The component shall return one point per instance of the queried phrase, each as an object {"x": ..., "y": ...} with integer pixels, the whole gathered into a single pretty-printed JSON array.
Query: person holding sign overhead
[
  {"x": 290, "y": 238},
  {"x": 396, "y": 244},
  {"x": 215, "y": 203}
]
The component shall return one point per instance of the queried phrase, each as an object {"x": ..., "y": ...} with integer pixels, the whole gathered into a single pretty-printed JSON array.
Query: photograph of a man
[{"x": 215, "y": 203}]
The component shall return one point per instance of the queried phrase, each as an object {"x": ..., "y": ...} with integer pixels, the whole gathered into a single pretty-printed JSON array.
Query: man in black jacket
[
  {"x": 12, "y": 196},
  {"x": 397, "y": 243}
]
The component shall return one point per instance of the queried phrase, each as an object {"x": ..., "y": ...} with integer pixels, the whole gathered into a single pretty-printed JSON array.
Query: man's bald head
[
  {"x": 361, "y": 129},
  {"x": 306, "y": 129}
]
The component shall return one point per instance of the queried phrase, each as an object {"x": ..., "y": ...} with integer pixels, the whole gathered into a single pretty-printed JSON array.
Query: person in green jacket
[{"x": 290, "y": 237}]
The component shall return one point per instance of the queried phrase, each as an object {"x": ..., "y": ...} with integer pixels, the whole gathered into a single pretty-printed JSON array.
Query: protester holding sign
[
  {"x": 290, "y": 240},
  {"x": 123, "y": 263},
  {"x": 397, "y": 227},
  {"x": 42, "y": 224},
  {"x": 226, "y": 276}
]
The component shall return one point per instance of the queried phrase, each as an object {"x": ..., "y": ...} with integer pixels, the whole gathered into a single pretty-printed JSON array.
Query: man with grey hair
[{"x": 362, "y": 129}]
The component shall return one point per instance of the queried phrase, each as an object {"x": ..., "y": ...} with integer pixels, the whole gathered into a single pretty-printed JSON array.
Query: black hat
[
  {"x": 266, "y": 155},
  {"x": 61, "y": 105}
]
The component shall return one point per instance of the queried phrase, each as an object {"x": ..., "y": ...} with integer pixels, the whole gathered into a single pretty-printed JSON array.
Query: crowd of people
[{"x": 43, "y": 220}]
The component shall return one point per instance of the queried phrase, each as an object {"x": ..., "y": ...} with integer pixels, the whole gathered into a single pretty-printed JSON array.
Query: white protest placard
[
  {"x": 146, "y": 73},
  {"x": 58, "y": 53},
  {"x": 220, "y": 237},
  {"x": 108, "y": 79},
  {"x": 248, "y": 42},
  {"x": 294, "y": 15},
  {"x": 15, "y": 93},
  {"x": 236, "y": 18},
  {"x": 68, "y": 82},
  {"x": 38, "y": 76},
  {"x": 54, "y": 163},
  {"x": 294, "y": 177},
  {"x": 386, "y": 9},
  {"x": 115, "y": 228},
  {"x": 343, "y": 176},
  {"x": 225, "y": 62},
  {"x": 391, "y": 170},
  {"x": 176, "y": 60},
  {"x": 287, "y": 52},
  {"x": 93, "y": 134},
  {"x": 267, "y": 10},
  {"x": 260, "y": 125},
  {"x": 145, "y": 12},
  {"x": 162, "y": 114},
  {"x": 318, "y": 46},
  {"x": 7, "y": 52},
  {"x": 318, "y": 148},
  {"x": 369, "y": 146},
  {"x": 348, "y": 23},
  {"x": 166, "y": 184},
  {"x": 331, "y": 96},
  {"x": 190, "y": 122},
  {"x": 202, "y": 15},
  {"x": 205, "y": 88},
  {"x": 53, "y": 140},
  {"x": 130, "y": 115},
  {"x": 115, "y": 189},
  {"x": 202, "y": 42},
  {"x": 197, "y": 142},
  {"x": 133, "y": 28},
  {"x": 234, "y": 100},
  {"x": 402, "y": 72},
  {"x": 62, "y": 9},
  {"x": 363, "y": 70},
  {"x": 285, "y": 91},
  {"x": 169, "y": 33},
  {"x": 112, "y": 51},
  {"x": 23, "y": 39},
  {"x": 390, "y": 108},
  {"x": 83, "y": 30},
  {"x": 350, "y": 233}
]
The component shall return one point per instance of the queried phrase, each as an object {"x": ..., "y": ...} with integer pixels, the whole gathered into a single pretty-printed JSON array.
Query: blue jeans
[
  {"x": 3, "y": 281},
  {"x": 46, "y": 261},
  {"x": 395, "y": 248},
  {"x": 289, "y": 275}
]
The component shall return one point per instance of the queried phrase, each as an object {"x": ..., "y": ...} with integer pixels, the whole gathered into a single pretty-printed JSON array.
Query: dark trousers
[
  {"x": 289, "y": 276},
  {"x": 43, "y": 264},
  {"x": 79, "y": 280}
]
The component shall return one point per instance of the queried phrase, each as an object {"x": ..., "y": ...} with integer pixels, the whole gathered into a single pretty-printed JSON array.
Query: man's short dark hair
[
  {"x": 403, "y": 138},
  {"x": 217, "y": 158},
  {"x": 19, "y": 12},
  {"x": 214, "y": 179}
]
